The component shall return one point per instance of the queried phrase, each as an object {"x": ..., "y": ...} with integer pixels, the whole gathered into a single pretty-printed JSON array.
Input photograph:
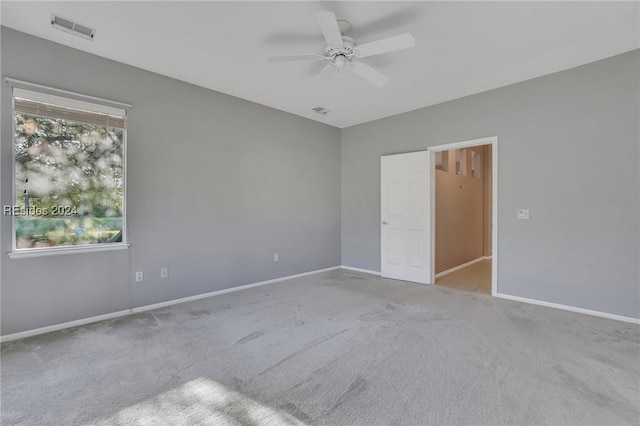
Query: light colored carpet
[
  {"x": 475, "y": 277},
  {"x": 337, "y": 348}
]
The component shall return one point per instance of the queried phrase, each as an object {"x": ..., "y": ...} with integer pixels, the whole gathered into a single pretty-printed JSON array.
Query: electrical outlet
[
  {"x": 139, "y": 276},
  {"x": 276, "y": 257},
  {"x": 164, "y": 273},
  {"x": 523, "y": 214}
]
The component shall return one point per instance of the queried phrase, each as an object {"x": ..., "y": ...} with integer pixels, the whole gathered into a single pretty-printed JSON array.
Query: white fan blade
[
  {"x": 289, "y": 58},
  {"x": 329, "y": 27},
  {"x": 326, "y": 74},
  {"x": 371, "y": 75},
  {"x": 399, "y": 42}
]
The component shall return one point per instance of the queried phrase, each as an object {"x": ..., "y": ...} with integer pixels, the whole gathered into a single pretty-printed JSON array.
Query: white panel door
[{"x": 406, "y": 217}]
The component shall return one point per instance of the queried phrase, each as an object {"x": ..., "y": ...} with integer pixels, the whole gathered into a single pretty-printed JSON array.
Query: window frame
[{"x": 71, "y": 97}]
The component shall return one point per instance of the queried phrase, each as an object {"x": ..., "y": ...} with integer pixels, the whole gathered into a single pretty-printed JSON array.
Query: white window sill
[{"x": 40, "y": 252}]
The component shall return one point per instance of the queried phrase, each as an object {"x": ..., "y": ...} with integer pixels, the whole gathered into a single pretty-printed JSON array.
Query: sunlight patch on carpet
[{"x": 201, "y": 401}]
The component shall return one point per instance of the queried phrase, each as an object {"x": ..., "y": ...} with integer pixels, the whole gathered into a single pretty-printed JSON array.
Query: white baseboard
[
  {"x": 569, "y": 308},
  {"x": 225, "y": 291},
  {"x": 84, "y": 321},
  {"x": 112, "y": 315},
  {"x": 464, "y": 265},
  {"x": 62, "y": 326},
  {"x": 366, "y": 271}
]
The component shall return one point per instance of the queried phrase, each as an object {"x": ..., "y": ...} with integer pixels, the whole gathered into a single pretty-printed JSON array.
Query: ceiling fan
[{"x": 342, "y": 52}]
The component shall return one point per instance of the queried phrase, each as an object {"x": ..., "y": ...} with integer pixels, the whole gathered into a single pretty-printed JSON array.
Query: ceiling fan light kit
[{"x": 342, "y": 52}]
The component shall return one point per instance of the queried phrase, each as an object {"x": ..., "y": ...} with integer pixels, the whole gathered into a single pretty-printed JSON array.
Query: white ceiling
[{"x": 462, "y": 48}]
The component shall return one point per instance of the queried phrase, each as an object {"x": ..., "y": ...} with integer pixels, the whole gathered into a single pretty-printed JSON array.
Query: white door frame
[{"x": 493, "y": 141}]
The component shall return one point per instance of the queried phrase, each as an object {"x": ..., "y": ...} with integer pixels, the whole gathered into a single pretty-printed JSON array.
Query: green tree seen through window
[{"x": 69, "y": 182}]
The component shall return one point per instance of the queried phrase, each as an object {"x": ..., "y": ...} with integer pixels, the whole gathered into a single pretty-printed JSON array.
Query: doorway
[
  {"x": 408, "y": 210},
  {"x": 464, "y": 205}
]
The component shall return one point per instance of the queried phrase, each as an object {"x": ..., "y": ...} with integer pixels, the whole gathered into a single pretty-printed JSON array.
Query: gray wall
[
  {"x": 568, "y": 150},
  {"x": 216, "y": 185}
]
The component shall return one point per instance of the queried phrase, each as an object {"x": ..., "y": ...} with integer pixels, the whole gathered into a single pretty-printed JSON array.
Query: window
[
  {"x": 476, "y": 165},
  {"x": 442, "y": 161},
  {"x": 69, "y": 166},
  {"x": 461, "y": 162}
]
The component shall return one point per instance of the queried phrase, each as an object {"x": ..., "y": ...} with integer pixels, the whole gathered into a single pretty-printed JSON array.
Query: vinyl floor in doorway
[{"x": 475, "y": 277}]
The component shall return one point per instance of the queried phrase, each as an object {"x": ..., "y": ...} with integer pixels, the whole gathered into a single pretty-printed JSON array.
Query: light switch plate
[{"x": 523, "y": 214}]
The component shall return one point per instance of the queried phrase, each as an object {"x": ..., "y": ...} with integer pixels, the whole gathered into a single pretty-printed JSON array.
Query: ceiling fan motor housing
[{"x": 340, "y": 56}]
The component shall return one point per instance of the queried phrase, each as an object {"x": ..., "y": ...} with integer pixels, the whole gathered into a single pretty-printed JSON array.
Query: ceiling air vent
[
  {"x": 68, "y": 26},
  {"x": 320, "y": 110}
]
